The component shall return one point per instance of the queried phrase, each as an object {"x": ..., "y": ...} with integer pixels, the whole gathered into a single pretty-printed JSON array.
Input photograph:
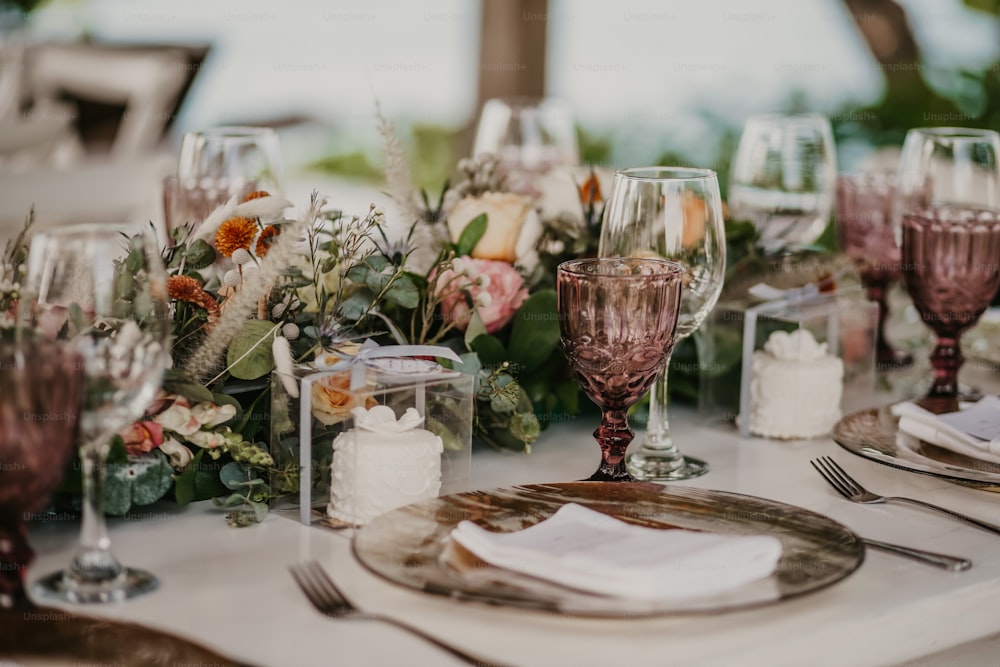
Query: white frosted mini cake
[
  {"x": 382, "y": 464},
  {"x": 796, "y": 387}
]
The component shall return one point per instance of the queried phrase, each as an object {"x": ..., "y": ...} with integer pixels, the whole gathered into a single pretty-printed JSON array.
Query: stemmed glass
[
  {"x": 674, "y": 214},
  {"x": 102, "y": 288},
  {"x": 528, "y": 135},
  {"x": 866, "y": 235},
  {"x": 216, "y": 164},
  {"x": 41, "y": 389},
  {"x": 783, "y": 178},
  {"x": 946, "y": 208},
  {"x": 617, "y": 319}
]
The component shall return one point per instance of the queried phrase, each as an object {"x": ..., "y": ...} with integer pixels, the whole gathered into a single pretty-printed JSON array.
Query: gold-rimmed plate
[
  {"x": 872, "y": 434},
  {"x": 52, "y": 637},
  {"x": 410, "y": 546}
]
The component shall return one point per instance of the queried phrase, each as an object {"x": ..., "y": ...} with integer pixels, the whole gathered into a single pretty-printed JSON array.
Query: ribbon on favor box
[{"x": 370, "y": 350}]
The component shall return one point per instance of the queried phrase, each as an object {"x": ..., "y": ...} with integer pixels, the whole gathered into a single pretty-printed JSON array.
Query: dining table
[{"x": 230, "y": 589}]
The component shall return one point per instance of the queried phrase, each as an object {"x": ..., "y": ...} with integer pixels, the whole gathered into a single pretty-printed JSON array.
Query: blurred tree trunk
[
  {"x": 884, "y": 25},
  {"x": 512, "y": 48}
]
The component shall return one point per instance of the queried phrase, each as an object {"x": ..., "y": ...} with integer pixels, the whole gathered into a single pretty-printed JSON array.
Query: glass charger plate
[
  {"x": 872, "y": 435},
  {"x": 410, "y": 545},
  {"x": 51, "y": 637}
]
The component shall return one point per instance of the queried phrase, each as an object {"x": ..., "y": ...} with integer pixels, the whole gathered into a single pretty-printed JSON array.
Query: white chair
[{"x": 146, "y": 83}]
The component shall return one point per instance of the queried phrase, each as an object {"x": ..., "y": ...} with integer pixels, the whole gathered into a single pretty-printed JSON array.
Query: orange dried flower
[
  {"x": 265, "y": 240},
  {"x": 189, "y": 290},
  {"x": 235, "y": 233},
  {"x": 590, "y": 190},
  {"x": 257, "y": 194}
]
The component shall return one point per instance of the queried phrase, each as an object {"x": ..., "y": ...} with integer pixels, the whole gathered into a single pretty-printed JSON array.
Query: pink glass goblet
[
  {"x": 617, "y": 319},
  {"x": 866, "y": 235},
  {"x": 951, "y": 265},
  {"x": 41, "y": 389}
]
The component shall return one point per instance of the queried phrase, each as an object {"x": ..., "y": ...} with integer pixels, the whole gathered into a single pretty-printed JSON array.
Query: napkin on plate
[
  {"x": 592, "y": 552},
  {"x": 974, "y": 432}
]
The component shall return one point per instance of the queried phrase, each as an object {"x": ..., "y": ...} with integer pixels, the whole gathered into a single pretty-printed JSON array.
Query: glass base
[
  {"x": 646, "y": 466},
  {"x": 130, "y": 584}
]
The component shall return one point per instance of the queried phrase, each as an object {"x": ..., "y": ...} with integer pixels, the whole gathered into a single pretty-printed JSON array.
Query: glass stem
[
  {"x": 93, "y": 564},
  {"x": 658, "y": 440},
  {"x": 614, "y": 436},
  {"x": 946, "y": 359}
]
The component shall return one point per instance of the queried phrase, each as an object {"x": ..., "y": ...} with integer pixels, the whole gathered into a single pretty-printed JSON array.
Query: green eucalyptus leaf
[
  {"x": 475, "y": 329},
  {"x": 355, "y": 306},
  {"x": 471, "y": 235},
  {"x": 249, "y": 356},
  {"x": 259, "y": 510},
  {"x": 190, "y": 390},
  {"x": 377, "y": 262},
  {"x": 199, "y": 255},
  {"x": 358, "y": 273},
  {"x": 184, "y": 481},
  {"x": 233, "y": 475},
  {"x": 490, "y": 350},
  {"x": 117, "y": 494},
  {"x": 404, "y": 292},
  {"x": 377, "y": 282}
]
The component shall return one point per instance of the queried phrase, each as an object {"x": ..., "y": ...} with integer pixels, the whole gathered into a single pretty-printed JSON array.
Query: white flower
[
  {"x": 560, "y": 190},
  {"x": 284, "y": 365},
  {"x": 241, "y": 256},
  {"x": 179, "y": 419},
  {"x": 483, "y": 280},
  {"x": 484, "y": 300},
  {"x": 232, "y": 278},
  {"x": 290, "y": 331},
  {"x": 210, "y": 414},
  {"x": 269, "y": 208},
  {"x": 208, "y": 439},
  {"x": 177, "y": 454}
]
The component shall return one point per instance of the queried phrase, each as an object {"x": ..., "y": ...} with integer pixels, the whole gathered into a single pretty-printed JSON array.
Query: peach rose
[
  {"x": 333, "y": 400},
  {"x": 495, "y": 288},
  {"x": 512, "y": 226},
  {"x": 142, "y": 437}
]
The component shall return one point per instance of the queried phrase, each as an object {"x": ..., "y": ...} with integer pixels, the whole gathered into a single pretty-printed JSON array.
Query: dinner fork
[
  {"x": 846, "y": 486},
  {"x": 330, "y": 601}
]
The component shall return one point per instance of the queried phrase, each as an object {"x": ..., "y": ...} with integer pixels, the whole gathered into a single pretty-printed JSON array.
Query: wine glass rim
[
  {"x": 954, "y": 213},
  {"x": 233, "y": 132},
  {"x": 572, "y": 267},
  {"x": 955, "y": 133},
  {"x": 667, "y": 174}
]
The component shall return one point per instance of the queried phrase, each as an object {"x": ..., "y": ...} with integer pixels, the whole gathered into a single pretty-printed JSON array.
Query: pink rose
[
  {"x": 495, "y": 288},
  {"x": 142, "y": 437}
]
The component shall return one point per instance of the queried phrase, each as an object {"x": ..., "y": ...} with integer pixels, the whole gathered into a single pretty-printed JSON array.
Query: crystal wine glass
[
  {"x": 866, "y": 235},
  {"x": 674, "y": 214},
  {"x": 947, "y": 166},
  {"x": 103, "y": 289},
  {"x": 951, "y": 265},
  {"x": 783, "y": 178},
  {"x": 41, "y": 389},
  {"x": 617, "y": 319},
  {"x": 528, "y": 135},
  {"x": 218, "y": 163}
]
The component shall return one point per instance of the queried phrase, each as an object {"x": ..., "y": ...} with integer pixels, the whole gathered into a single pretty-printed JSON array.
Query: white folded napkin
[
  {"x": 974, "y": 432},
  {"x": 592, "y": 552}
]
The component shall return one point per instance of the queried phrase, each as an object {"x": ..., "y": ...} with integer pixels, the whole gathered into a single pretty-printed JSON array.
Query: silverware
[
  {"x": 330, "y": 601},
  {"x": 850, "y": 489},
  {"x": 950, "y": 563}
]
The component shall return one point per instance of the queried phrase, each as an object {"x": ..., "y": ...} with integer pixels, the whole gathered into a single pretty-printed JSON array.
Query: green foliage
[
  {"x": 249, "y": 355},
  {"x": 471, "y": 235}
]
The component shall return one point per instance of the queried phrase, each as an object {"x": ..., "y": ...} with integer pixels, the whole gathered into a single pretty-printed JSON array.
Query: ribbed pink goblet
[
  {"x": 951, "y": 265},
  {"x": 617, "y": 318}
]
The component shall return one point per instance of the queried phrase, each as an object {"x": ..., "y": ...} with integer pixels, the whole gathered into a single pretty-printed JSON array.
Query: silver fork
[
  {"x": 850, "y": 489},
  {"x": 330, "y": 601}
]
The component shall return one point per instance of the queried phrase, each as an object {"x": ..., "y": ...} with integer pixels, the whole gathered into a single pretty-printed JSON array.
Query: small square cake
[{"x": 796, "y": 387}]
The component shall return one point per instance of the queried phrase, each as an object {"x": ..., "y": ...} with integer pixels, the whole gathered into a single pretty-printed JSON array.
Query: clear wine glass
[
  {"x": 102, "y": 288},
  {"x": 42, "y": 390},
  {"x": 951, "y": 265},
  {"x": 947, "y": 166},
  {"x": 528, "y": 135},
  {"x": 783, "y": 178},
  {"x": 866, "y": 235},
  {"x": 674, "y": 214},
  {"x": 216, "y": 164},
  {"x": 617, "y": 319}
]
